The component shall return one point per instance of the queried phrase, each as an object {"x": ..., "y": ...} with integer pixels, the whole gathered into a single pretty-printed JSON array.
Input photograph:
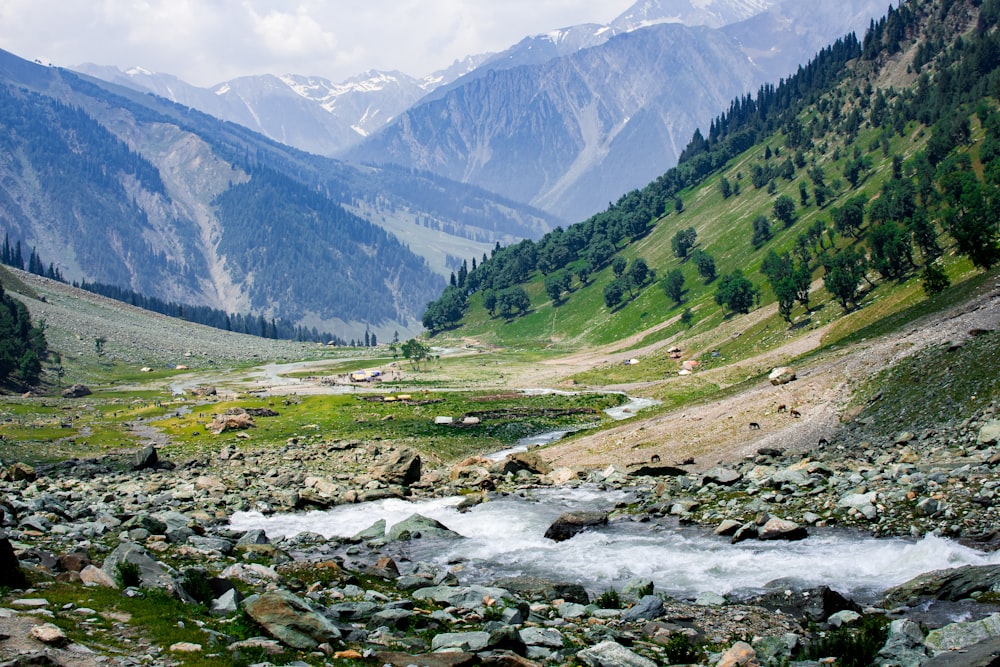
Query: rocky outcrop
[
  {"x": 291, "y": 620},
  {"x": 572, "y": 523}
]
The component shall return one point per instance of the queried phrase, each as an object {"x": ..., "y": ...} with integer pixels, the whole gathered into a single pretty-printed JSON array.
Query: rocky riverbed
[{"x": 144, "y": 526}]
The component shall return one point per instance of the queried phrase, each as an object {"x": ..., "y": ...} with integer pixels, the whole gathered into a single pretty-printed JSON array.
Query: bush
[
  {"x": 128, "y": 574},
  {"x": 609, "y": 599}
]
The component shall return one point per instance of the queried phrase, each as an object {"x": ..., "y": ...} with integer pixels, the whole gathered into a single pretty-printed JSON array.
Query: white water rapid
[{"x": 504, "y": 537}]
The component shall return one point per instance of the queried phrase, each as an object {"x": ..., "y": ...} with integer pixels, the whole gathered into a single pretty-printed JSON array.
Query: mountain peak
[{"x": 711, "y": 13}]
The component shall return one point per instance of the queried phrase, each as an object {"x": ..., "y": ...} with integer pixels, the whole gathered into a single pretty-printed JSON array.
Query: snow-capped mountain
[{"x": 310, "y": 113}]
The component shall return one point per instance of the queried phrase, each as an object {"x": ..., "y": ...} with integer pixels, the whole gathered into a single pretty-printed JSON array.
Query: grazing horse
[
  {"x": 795, "y": 413},
  {"x": 754, "y": 426},
  {"x": 782, "y": 408}
]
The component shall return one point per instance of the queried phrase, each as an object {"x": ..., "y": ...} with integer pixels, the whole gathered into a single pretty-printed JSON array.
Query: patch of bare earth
[{"x": 720, "y": 430}]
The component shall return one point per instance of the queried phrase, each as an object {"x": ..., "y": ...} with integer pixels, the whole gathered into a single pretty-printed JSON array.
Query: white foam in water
[{"x": 505, "y": 537}]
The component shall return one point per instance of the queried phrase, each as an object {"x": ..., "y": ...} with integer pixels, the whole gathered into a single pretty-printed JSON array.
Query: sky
[{"x": 205, "y": 42}]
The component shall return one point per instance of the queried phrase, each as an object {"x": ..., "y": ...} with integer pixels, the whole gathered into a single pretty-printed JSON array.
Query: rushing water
[{"x": 505, "y": 537}]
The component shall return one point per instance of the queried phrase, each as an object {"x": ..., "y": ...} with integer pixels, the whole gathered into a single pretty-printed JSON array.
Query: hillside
[
  {"x": 127, "y": 189},
  {"x": 569, "y": 120},
  {"x": 859, "y": 156}
]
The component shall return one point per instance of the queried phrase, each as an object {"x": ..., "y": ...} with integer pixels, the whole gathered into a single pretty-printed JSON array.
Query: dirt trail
[{"x": 720, "y": 431}]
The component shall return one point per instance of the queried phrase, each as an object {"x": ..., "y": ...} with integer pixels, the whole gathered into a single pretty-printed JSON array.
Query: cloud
[{"x": 208, "y": 41}]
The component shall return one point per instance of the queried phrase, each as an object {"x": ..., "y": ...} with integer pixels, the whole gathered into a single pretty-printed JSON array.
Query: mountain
[
  {"x": 569, "y": 120},
  {"x": 306, "y": 112},
  {"x": 844, "y": 199},
  {"x": 129, "y": 189}
]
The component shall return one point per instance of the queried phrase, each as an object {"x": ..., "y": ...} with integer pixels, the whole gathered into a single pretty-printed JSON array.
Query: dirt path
[{"x": 720, "y": 431}]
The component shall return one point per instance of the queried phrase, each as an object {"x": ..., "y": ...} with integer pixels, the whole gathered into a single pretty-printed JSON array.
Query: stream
[{"x": 505, "y": 537}]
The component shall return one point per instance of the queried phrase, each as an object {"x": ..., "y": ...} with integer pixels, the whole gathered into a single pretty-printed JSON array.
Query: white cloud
[{"x": 208, "y": 41}]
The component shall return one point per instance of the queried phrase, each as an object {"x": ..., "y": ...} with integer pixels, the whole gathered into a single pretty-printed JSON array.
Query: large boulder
[
  {"x": 952, "y": 584},
  {"x": 290, "y": 620},
  {"x": 957, "y": 636},
  {"x": 76, "y": 391},
  {"x": 416, "y": 526},
  {"x": 536, "y": 588},
  {"x": 782, "y": 375},
  {"x": 781, "y": 529},
  {"x": 145, "y": 458},
  {"x": 529, "y": 461},
  {"x": 225, "y": 423},
  {"x": 571, "y": 523},
  {"x": 400, "y": 467},
  {"x": 132, "y": 560},
  {"x": 612, "y": 654}
]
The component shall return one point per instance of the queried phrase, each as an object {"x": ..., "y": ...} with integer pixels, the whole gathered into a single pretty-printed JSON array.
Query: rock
[
  {"x": 376, "y": 531},
  {"x": 710, "y": 599},
  {"x": 529, "y": 461},
  {"x": 254, "y": 574},
  {"x": 739, "y": 654},
  {"x": 647, "y": 609},
  {"x": 290, "y": 620},
  {"x": 536, "y": 588},
  {"x": 989, "y": 434},
  {"x": 981, "y": 654},
  {"x": 814, "y": 605},
  {"x": 225, "y": 423},
  {"x": 226, "y": 604},
  {"x": 904, "y": 645},
  {"x": 845, "y": 617},
  {"x": 97, "y": 577},
  {"x": 612, "y": 654},
  {"x": 185, "y": 647},
  {"x": 76, "y": 391},
  {"x": 401, "y": 467},
  {"x": 781, "y": 529},
  {"x": 727, "y": 528},
  {"x": 417, "y": 526},
  {"x": 547, "y": 637},
  {"x": 145, "y": 458},
  {"x": 571, "y": 523},
  {"x": 11, "y": 575},
  {"x": 21, "y": 472},
  {"x": 447, "y": 659},
  {"x": 384, "y": 568},
  {"x": 463, "y": 641},
  {"x": 781, "y": 375},
  {"x": 862, "y": 502},
  {"x": 960, "y": 635},
  {"x": 747, "y": 531},
  {"x": 951, "y": 584},
  {"x": 150, "y": 573},
  {"x": 397, "y": 619},
  {"x": 722, "y": 475},
  {"x": 463, "y": 597},
  {"x": 74, "y": 561},
  {"x": 636, "y": 589},
  {"x": 49, "y": 633}
]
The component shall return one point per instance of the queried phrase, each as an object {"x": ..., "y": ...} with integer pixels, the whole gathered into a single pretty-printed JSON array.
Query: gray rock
[
  {"x": 145, "y": 458},
  {"x": 76, "y": 391},
  {"x": 291, "y": 620},
  {"x": 960, "y": 635},
  {"x": 710, "y": 599},
  {"x": 781, "y": 375},
  {"x": 536, "y": 588},
  {"x": 463, "y": 641},
  {"x": 989, "y": 434},
  {"x": 397, "y": 619},
  {"x": 781, "y": 529},
  {"x": 151, "y": 573},
  {"x": 226, "y": 604},
  {"x": 223, "y": 546},
  {"x": 571, "y": 610},
  {"x": 417, "y": 526},
  {"x": 647, "y": 609},
  {"x": 254, "y": 536},
  {"x": 904, "y": 646},
  {"x": 845, "y": 617},
  {"x": 547, "y": 637},
  {"x": 572, "y": 523},
  {"x": 981, "y": 654},
  {"x": 634, "y": 589},
  {"x": 401, "y": 466},
  {"x": 372, "y": 532},
  {"x": 612, "y": 654},
  {"x": 722, "y": 475},
  {"x": 464, "y": 597},
  {"x": 952, "y": 584}
]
